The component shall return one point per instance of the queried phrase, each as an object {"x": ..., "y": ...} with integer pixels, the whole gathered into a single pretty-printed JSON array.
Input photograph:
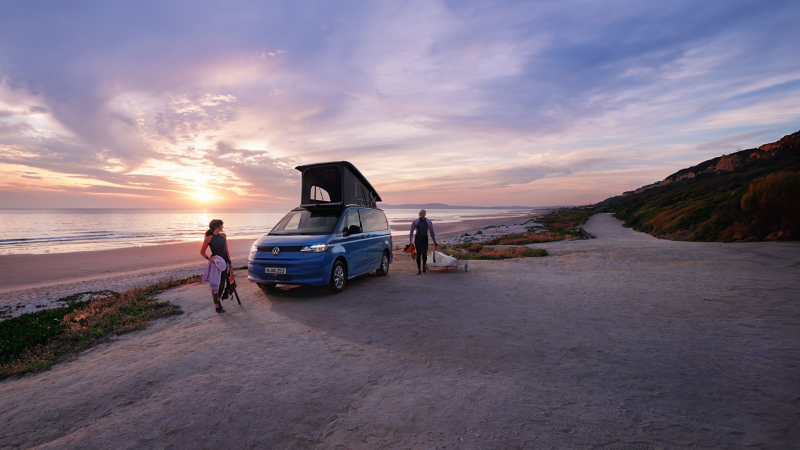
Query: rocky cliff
[
  {"x": 747, "y": 195},
  {"x": 728, "y": 163}
]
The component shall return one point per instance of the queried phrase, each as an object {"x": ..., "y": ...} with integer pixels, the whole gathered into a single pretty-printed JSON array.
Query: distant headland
[{"x": 446, "y": 206}]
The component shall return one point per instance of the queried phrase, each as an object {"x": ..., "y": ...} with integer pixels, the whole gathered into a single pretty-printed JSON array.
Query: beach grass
[
  {"x": 567, "y": 219},
  {"x": 532, "y": 238},
  {"x": 556, "y": 226},
  {"x": 35, "y": 341},
  {"x": 481, "y": 251}
]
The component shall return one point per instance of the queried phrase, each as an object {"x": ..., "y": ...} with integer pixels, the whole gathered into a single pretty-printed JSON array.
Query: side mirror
[{"x": 352, "y": 229}]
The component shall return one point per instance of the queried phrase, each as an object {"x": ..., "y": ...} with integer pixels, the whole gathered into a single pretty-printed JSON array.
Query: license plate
[{"x": 275, "y": 270}]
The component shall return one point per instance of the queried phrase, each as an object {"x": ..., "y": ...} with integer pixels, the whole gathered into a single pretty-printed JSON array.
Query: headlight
[{"x": 317, "y": 248}]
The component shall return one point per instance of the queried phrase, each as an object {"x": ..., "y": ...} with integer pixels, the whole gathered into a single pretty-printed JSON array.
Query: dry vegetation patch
[
  {"x": 35, "y": 341},
  {"x": 481, "y": 251},
  {"x": 557, "y": 226},
  {"x": 531, "y": 238}
]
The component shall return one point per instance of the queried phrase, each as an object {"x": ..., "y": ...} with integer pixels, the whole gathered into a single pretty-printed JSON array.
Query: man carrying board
[{"x": 421, "y": 226}]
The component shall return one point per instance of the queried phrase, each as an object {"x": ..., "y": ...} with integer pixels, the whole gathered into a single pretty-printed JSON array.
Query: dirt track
[{"x": 620, "y": 342}]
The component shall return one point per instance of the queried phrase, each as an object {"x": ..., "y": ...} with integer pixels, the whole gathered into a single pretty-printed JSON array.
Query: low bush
[
  {"x": 774, "y": 201},
  {"x": 532, "y": 238},
  {"x": 567, "y": 218},
  {"x": 480, "y": 251}
]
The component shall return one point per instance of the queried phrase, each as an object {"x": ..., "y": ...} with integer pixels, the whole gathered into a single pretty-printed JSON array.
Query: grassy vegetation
[
  {"x": 755, "y": 201},
  {"x": 531, "y": 238},
  {"x": 35, "y": 341},
  {"x": 557, "y": 226},
  {"x": 566, "y": 219},
  {"x": 481, "y": 251}
]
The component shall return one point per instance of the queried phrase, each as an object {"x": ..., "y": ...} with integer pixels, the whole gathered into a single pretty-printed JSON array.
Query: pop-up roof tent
[{"x": 335, "y": 183}]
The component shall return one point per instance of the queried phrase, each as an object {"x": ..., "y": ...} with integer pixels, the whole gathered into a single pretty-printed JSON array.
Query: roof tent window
[
  {"x": 322, "y": 184},
  {"x": 319, "y": 194}
]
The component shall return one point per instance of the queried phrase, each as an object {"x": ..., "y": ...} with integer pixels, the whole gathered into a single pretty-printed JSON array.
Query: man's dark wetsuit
[{"x": 422, "y": 227}]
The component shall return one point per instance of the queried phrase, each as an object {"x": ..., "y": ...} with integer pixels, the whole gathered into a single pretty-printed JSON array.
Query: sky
[{"x": 210, "y": 104}]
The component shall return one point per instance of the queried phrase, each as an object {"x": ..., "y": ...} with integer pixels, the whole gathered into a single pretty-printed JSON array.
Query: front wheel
[
  {"x": 383, "y": 270},
  {"x": 338, "y": 277}
]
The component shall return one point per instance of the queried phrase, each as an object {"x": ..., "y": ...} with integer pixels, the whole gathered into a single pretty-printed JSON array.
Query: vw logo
[{"x": 276, "y": 251}]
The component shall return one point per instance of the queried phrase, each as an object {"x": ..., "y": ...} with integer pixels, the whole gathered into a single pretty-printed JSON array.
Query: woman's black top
[{"x": 217, "y": 246}]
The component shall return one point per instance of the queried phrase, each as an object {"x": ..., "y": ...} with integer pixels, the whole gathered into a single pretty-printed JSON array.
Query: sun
[{"x": 202, "y": 196}]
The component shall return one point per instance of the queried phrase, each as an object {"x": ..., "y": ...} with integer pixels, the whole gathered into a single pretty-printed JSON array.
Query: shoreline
[{"x": 34, "y": 282}]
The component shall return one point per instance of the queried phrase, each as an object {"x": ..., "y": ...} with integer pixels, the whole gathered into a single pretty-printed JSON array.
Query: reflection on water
[{"x": 37, "y": 231}]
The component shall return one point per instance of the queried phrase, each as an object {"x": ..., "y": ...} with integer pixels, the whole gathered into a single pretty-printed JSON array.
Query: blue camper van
[{"x": 336, "y": 233}]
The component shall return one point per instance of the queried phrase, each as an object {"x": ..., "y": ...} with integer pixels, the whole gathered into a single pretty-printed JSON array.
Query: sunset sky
[{"x": 195, "y": 104}]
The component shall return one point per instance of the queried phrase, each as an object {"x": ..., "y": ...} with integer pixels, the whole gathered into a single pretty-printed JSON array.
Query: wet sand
[{"x": 619, "y": 342}]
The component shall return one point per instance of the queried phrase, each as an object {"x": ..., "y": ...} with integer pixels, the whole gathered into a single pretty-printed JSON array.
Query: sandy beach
[
  {"x": 40, "y": 280},
  {"x": 619, "y": 342}
]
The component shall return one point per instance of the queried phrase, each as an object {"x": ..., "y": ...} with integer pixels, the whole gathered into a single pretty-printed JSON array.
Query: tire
[
  {"x": 267, "y": 287},
  {"x": 338, "y": 277},
  {"x": 383, "y": 270}
]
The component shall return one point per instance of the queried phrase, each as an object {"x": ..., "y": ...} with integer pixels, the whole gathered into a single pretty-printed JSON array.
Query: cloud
[
  {"x": 494, "y": 95},
  {"x": 261, "y": 173}
]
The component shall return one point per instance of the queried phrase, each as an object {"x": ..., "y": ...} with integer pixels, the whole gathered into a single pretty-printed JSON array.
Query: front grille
[{"x": 284, "y": 248}]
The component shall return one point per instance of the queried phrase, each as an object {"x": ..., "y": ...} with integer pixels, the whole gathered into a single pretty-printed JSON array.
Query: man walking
[{"x": 422, "y": 226}]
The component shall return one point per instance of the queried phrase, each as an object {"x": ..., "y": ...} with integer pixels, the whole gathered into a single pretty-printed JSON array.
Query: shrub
[
  {"x": 531, "y": 238},
  {"x": 774, "y": 200},
  {"x": 480, "y": 251},
  {"x": 710, "y": 229}
]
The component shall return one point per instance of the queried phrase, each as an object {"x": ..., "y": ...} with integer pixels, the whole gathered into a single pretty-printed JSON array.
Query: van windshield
[{"x": 307, "y": 222}]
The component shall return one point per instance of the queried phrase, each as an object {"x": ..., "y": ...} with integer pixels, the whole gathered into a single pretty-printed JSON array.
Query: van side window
[
  {"x": 357, "y": 190},
  {"x": 374, "y": 220},
  {"x": 351, "y": 219},
  {"x": 384, "y": 222}
]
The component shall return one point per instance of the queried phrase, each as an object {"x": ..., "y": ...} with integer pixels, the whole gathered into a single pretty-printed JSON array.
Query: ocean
[{"x": 41, "y": 231}]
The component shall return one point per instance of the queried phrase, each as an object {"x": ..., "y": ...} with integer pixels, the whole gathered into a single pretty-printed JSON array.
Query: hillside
[{"x": 750, "y": 195}]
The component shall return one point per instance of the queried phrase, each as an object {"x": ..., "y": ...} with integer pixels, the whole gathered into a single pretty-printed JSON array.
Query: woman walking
[
  {"x": 422, "y": 226},
  {"x": 219, "y": 260}
]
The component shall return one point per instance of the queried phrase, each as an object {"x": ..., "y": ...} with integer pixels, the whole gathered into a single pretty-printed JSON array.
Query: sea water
[{"x": 38, "y": 231}]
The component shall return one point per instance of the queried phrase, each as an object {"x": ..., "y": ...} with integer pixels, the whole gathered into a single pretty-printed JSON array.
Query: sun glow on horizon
[{"x": 203, "y": 196}]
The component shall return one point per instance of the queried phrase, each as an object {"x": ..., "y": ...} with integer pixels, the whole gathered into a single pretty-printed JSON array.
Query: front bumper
[{"x": 309, "y": 271}]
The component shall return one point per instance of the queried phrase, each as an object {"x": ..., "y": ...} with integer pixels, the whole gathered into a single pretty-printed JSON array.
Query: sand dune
[{"x": 619, "y": 342}]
